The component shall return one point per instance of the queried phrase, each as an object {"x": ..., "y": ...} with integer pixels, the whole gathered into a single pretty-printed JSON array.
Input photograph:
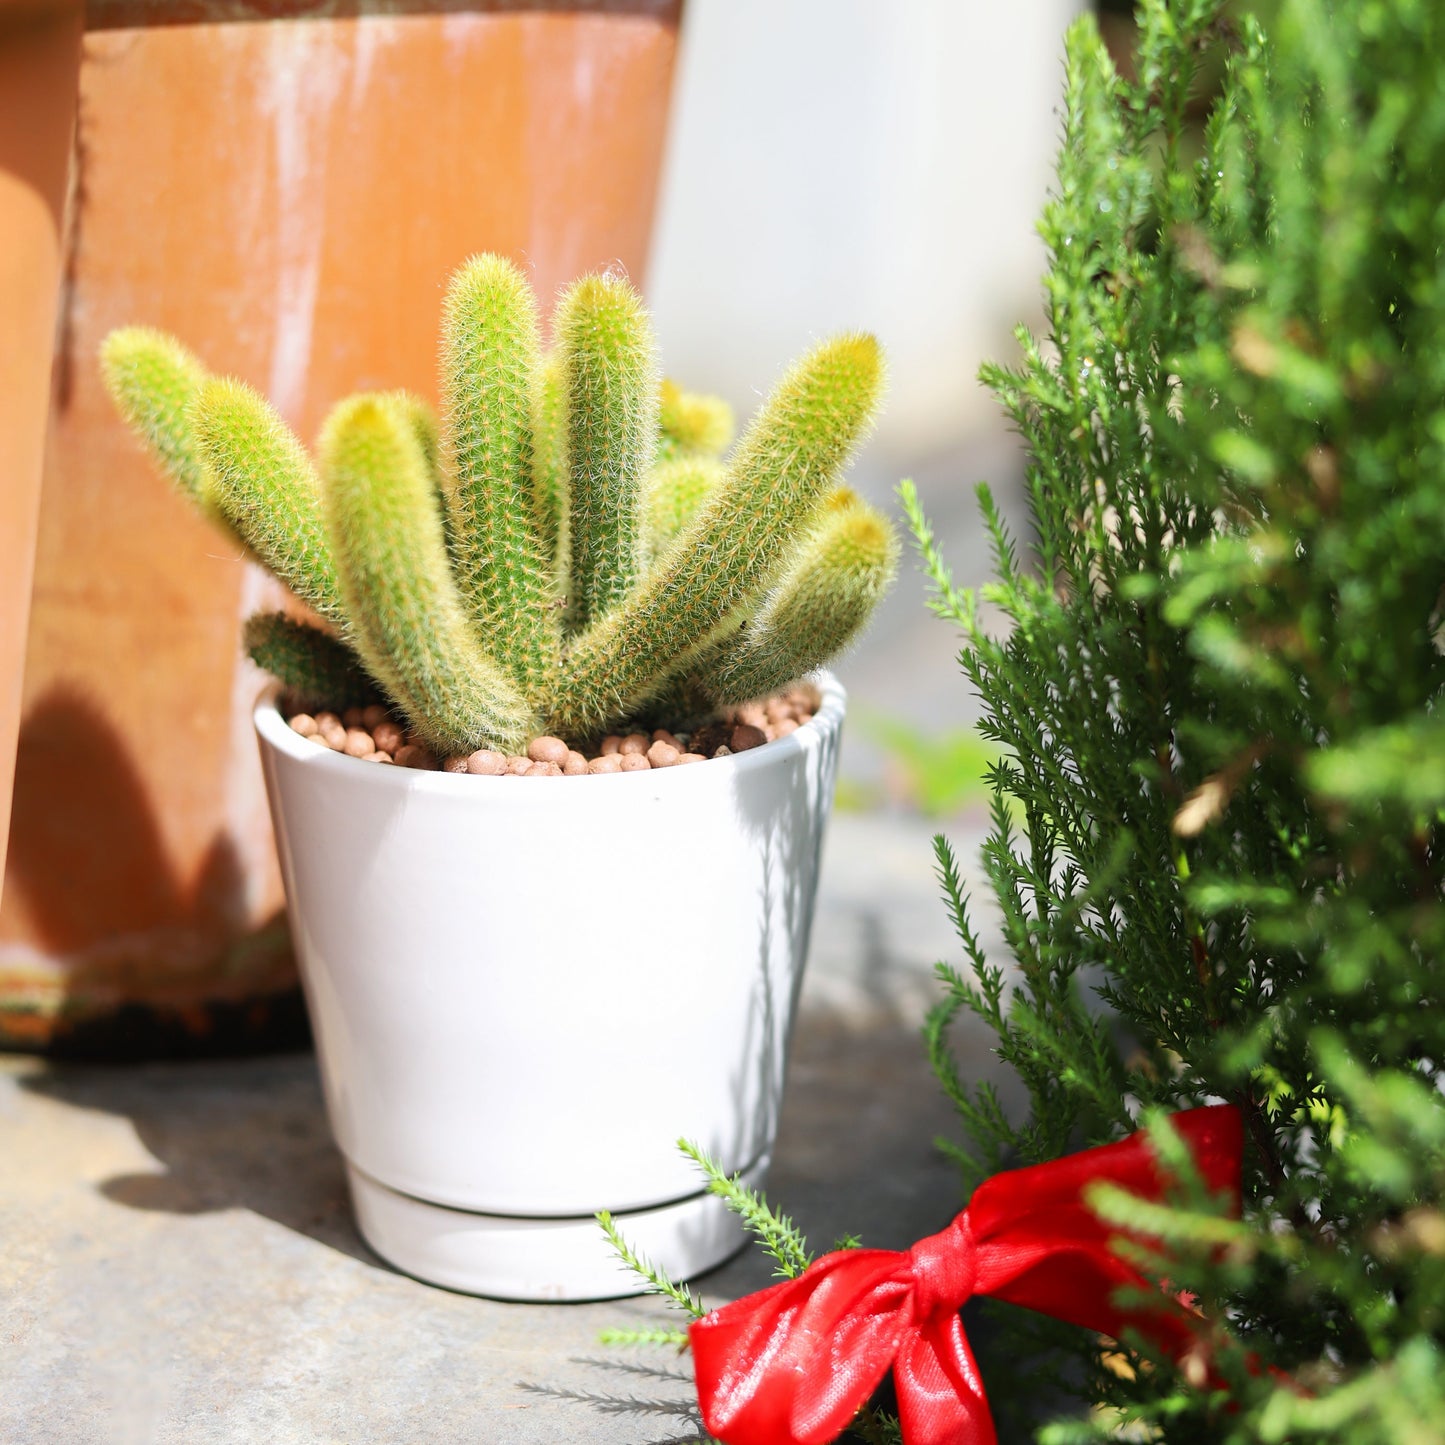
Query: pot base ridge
[{"x": 509, "y": 1257}]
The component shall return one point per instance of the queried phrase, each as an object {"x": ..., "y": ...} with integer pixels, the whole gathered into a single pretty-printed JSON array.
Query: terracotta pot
[
  {"x": 502, "y": 972},
  {"x": 39, "y": 61},
  {"x": 285, "y": 186}
]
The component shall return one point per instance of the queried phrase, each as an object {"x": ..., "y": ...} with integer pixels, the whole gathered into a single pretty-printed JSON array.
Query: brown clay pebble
[
  {"x": 413, "y": 756},
  {"x": 777, "y": 708},
  {"x": 784, "y": 726},
  {"x": 379, "y": 757},
  {"x": 575, "y": 764},
  {"x": 353, "y": 717},
  {"x": 663, "y": 755},
  {"x": 518, "y": 766},
  {"x": 387, "y": 736},
  {"x": 690, "y": 758},
  {"x": 635, "y": 763},
  {"x": 634, "y": 743},
  {"x": 709, "y": 737},
  {"x": 544, "y": 769},
  {"x": 358, "y": 743},
  {"x": 304, "y": 724},
  {"x": 371, "y": 716},
  {"x": 547, "y": 750},
  {"x": 606, "y": 763},
  {"x": 751, "y": 714},
  {"x": 746, "y": 735},
  {"x": 661, "y": 735},
  {"x": 454, "y": 764},
  {"x": 486, "y": 763},
  {"x": 611, "y": 744},
  {"x": 329, "y": 728}
]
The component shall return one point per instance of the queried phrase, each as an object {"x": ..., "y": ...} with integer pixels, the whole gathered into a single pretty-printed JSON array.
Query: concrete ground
[{"x": 178, "y": 1265}]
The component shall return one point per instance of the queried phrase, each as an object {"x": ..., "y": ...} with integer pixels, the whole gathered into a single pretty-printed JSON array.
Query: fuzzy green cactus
[
  {"x": 735, "y": 546},
  {"x": 315, "y": 668},
  {"x": 837, "y": 577},
  {"x": 693, "y": 424},
  {"x": 565, "y": 549},
  {"x": 611, "y": 386},
  {"x": 549, "y": 465},
  {"x": 675, "y": 491},
  {"x": 408, "y": 619},
  {"x": 258, "y": 474},
  {"x": 154, "y": 381},
  {"x": 490, "y": 355}
]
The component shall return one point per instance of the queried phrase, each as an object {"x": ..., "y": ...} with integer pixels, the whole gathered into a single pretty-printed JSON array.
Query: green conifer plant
[
  {"x": 564, "y": 548},
  {"x": 1218, "y": 842}
]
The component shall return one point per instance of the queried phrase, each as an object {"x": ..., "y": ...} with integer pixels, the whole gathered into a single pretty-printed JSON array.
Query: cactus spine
[
  {"x": 610, "y": 381},
  {"x": 441, "y": 552}
]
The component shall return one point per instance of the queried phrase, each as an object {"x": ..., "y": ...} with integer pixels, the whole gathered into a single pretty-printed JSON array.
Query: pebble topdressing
[{"x": 375, "y": 736}]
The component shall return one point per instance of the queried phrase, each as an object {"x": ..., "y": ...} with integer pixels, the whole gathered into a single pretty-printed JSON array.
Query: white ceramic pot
[{"x": 525, "y": 990}]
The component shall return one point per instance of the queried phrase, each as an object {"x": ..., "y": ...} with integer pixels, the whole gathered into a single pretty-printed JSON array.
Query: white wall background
[{"x": 858, "y": 163}]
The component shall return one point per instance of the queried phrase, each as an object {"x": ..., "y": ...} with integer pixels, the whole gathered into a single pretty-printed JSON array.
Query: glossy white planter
[{"x": 525, "y": 990}]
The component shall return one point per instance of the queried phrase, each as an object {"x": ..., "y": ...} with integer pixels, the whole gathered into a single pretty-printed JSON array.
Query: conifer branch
[
  {"x": 777, "y": 1234},
  {"x": 658, "y": 1282}
]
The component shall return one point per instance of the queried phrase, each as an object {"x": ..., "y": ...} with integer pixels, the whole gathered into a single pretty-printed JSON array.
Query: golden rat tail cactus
[{"x": 565, "y": 547}]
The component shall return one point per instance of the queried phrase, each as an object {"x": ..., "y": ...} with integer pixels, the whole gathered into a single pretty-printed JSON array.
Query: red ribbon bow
[{"x": 792, "y": 1365}]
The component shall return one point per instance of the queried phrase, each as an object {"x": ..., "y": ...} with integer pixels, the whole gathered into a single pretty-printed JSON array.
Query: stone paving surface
[{"x": 178, "y": 1264}]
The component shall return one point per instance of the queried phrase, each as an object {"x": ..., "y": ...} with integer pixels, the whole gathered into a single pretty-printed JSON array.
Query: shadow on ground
[
  {"x": 854, "y": 1153},
  {"x": 232, "y": 1134}
]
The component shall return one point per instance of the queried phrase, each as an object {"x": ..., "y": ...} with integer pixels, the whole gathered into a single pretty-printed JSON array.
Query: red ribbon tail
[
  {"x": 794, "y": 1364},
  {"x": 940, "y": 1394}
]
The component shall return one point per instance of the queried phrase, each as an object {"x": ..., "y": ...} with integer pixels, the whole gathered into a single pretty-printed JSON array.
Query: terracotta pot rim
[
  {"x": 148, "y": 14},
  {"x": 273, "y": 730}
]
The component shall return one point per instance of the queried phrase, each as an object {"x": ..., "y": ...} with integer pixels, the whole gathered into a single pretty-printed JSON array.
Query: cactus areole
[{"x": 564, "y": 549}]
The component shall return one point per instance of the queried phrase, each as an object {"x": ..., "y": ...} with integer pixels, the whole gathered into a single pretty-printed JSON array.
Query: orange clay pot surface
[
  {"x": 39, "y": 63},
  {"x": 286, "y": 187}
]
